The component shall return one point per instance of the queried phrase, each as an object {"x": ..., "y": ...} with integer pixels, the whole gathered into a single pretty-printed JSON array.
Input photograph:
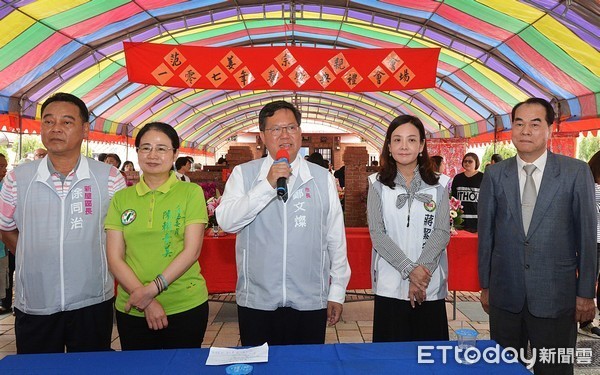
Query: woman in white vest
[{"x": 409, "y": 223}]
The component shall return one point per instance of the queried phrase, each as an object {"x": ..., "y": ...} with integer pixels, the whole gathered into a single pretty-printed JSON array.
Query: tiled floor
[{"x": 356, "y": 324}]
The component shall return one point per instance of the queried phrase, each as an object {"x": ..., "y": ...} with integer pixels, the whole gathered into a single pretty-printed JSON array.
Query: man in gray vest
[
  {"x": 52, "y": 212},
  {"x": 290, "y": 248}
]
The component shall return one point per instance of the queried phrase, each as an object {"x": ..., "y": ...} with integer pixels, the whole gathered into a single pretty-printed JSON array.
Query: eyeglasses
[
  {"x": 276, "y": 130},
  {"x": 146, "y": 149},
  {"x": 468, "y": 161}
]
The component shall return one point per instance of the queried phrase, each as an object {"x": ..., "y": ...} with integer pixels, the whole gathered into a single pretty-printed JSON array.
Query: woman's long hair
[
  {"x": 388, "y": 171},
  {"x": 594, "y": 164}
]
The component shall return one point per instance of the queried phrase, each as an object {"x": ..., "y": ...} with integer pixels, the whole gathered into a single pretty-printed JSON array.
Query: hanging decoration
[{"x": 281, "y": 68}]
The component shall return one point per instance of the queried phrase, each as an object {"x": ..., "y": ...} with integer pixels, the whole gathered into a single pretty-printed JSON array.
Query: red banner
[{"x": 281, "y": 68}]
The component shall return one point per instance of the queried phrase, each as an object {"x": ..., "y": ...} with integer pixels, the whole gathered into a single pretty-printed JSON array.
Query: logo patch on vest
[
  {"x": 429, "y": 206},
  {"x": 128, "y": 217}
]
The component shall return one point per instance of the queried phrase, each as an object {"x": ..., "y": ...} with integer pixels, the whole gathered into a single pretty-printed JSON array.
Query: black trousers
[
  {"x": 515, "y": 330},
  {"x": 88, "y": 329},
  {"x": 284, "y": 326},
  {"x": 8, "y": 299},
  {"x": 397, "y": 320},
  {"x": 185, "y": 330}
]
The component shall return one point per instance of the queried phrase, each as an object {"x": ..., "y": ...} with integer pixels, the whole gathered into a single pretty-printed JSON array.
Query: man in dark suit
[{"x": 537, "y": 260}]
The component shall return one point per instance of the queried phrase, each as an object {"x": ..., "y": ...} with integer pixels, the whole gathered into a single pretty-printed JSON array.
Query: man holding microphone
[{"x": 291, "y": 244}]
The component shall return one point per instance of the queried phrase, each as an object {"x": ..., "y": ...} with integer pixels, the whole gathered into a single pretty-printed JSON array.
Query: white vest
[
  {"x": 61, "y": 252},
  {"x": 387, "y": 281},
  {"x": 279, "y": 263}
]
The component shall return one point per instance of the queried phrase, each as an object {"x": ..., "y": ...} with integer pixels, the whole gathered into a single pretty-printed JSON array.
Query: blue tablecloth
[{"x": 380, "y": 358}]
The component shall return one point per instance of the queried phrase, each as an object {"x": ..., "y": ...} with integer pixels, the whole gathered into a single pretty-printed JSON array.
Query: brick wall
[
  {"x": 355, "y": 159},
  {"x": 256, "y": 148},
  {"x": 204, "y": 176},
  {"x": 237, "y": 155},
  {"x": 312, "y": 141}
]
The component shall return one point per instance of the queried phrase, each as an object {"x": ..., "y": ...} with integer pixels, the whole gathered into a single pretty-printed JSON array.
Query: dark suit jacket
[{"x": 556, "y": 261}]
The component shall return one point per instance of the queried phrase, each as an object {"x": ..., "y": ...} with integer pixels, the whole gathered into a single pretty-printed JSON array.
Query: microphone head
[{"x": 282, "y": 154}]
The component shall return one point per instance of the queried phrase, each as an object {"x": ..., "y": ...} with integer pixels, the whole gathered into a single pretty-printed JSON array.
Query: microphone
[{"x": 283, "y": 156}]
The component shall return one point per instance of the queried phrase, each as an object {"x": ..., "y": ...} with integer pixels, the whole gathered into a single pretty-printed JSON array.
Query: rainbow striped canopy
[{"x": 494, "y": 54}]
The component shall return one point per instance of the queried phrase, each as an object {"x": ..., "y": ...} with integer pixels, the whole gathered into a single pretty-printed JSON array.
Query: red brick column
[
  {"x": 355, "y": 160},
  {"x": 238, "y": 155}
]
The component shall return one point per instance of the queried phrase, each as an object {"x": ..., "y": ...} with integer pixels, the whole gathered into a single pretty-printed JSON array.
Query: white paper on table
[{"x": 224, "y": 356}]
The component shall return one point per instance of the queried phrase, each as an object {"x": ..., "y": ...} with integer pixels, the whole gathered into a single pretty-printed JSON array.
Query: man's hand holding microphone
[{"x": 279, "y": 172}]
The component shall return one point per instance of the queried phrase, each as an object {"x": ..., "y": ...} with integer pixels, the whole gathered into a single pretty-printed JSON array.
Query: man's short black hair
[
  {"x": 270, "y": 109},
  {"x": 496, "y": 158},
  {"x": 550, "y": 115},
  {"x": 69, "y": 98},
  {"x": 181, "y": 161}
]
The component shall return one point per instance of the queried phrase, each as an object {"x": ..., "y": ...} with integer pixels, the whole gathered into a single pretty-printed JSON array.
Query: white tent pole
[
  {"x": 21, "y": 127},
  {"x": 126, "y": 142}
]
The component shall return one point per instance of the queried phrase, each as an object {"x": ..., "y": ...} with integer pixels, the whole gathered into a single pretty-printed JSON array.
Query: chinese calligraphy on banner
[{"x": 281, "y": 68}]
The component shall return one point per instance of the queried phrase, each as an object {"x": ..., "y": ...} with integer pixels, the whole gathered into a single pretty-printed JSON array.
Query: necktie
[{"x": 529, "y": 197}]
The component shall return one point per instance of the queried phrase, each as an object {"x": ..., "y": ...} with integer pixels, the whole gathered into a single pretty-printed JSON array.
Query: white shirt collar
[
  {"x": 540, "y": 162},
  {"x": 299, "y": 168}
]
